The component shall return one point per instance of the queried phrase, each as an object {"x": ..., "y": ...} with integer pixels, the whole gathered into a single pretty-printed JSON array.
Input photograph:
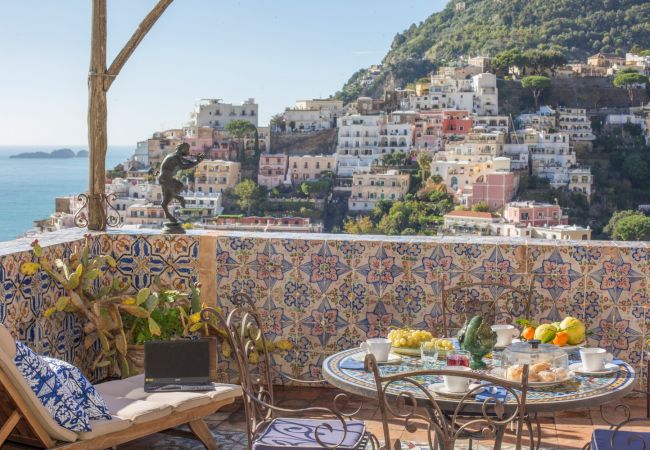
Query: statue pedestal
[{"x": 173, "y": 228}]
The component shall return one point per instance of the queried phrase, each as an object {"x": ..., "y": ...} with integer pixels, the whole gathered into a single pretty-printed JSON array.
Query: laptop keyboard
[{"x": 185, "y": 388}]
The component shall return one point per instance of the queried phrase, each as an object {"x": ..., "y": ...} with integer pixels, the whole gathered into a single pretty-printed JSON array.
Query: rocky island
[{"x": 62, "y": 153}]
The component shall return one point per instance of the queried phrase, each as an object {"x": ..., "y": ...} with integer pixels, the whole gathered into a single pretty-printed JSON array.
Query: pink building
[
  {"x": 428, "y": 131},
  {"x": 200, "y": 139},
  {"x": 534, "y": 214},
  {"x": 272, "y": 169},
  {"x": 496, "y": 189},
  {"x": 456, "y": 122}
]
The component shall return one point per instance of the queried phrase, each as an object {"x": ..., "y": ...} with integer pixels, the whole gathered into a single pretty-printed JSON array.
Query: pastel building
[
  {"x": 200, "y": 139},
  {"x": 214, "y": 113},
  {"x": 309, "y": 168},
  {"x": 272, "y": 169},
  {"x": 575, "y": 122},
  {"x": 534, "y": 214},
  {"x": 369, "y": 188},
  {"x": 493, "y": 188},
  {"x": 313, "y": 115},
  {"x": 216, "y": 176},
  {"x": 468, "y": 222}
]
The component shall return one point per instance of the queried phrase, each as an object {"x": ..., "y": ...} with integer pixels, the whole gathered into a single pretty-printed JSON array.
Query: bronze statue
[{"x": 171, "y": 187}]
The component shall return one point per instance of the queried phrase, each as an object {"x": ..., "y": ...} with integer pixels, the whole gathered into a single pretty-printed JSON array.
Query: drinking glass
[
  {"x": 458, "y": 358},
  {"x": 428, "y": 354}
]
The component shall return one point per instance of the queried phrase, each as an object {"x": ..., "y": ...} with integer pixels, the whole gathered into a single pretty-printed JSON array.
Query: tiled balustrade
[{"x": 329, "y": 292}]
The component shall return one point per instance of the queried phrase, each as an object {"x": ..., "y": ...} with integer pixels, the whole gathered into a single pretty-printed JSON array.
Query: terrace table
[{"x": 582, "y": 392}]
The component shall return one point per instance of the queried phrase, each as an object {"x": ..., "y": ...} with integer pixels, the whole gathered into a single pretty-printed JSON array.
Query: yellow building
[
  {"x": 369, "y": 188},
  {"x": 216, "y": 175},
  {"x": 309, "y": 168}
]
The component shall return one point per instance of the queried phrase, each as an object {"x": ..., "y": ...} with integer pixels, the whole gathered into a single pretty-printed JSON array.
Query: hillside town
[{"x": 323, "y": 165}]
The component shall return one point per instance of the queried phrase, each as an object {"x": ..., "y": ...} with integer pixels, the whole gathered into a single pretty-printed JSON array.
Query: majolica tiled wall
[{"x": 329, "y": 292}]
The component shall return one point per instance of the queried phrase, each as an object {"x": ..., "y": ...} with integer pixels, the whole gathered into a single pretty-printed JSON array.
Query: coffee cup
[
  {"x": 594, "y": 359},
  {"x": 505, "y": 334},
  {"x": 455, "y": 383},
  {"x": 379, "y": 347}
]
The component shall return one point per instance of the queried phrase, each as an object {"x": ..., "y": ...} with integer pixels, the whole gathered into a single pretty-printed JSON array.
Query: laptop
[{"x": 180, "y": 365}]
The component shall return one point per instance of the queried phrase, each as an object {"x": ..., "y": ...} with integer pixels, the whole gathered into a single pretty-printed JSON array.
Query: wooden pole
[
  {"x": 97, "y": 118},
  {"x": 99, "y": 81}
]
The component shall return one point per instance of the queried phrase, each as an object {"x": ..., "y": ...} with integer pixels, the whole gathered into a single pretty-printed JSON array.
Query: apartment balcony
[{"x": 359, "y": 285}]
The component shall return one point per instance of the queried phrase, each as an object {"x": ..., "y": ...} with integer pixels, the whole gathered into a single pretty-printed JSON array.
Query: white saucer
[
  {"x": 440, "y": 389},
  {"x": 608, "y": 369},
  {"x": 392, "y": 358}
]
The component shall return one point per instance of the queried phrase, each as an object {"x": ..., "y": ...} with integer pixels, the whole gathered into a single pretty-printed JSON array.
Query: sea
[{"x": 28, "y": 187}]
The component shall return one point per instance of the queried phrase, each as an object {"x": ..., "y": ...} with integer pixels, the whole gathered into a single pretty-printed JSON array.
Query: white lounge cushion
[
  {"x": 102, "y": 427},
  {"x": 7, "y": 353},
  {"x": 128, "y": 388},
  {"x": 138, "y": 411}
]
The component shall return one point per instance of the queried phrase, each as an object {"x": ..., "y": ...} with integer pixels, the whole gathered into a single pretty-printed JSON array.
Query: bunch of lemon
[{"x": 408, "y": 338}]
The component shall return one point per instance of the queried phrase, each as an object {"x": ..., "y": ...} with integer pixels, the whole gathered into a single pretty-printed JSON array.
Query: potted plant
[{"x": 103, "y": 303}]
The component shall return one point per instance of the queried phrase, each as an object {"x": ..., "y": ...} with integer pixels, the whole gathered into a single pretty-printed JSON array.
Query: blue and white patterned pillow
[
  {"x": 50, "y": 390},
  {"x": 82, "y": 389}
]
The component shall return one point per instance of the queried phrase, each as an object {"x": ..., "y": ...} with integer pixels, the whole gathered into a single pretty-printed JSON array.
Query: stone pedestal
[{"x": 172, "y": 228}]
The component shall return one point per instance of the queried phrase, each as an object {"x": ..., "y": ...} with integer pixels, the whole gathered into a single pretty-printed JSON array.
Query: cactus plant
[{"x": 102, "y": 305}]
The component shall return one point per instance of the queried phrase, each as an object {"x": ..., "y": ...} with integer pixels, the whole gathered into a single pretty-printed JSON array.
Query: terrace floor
[{"x": 560, "y": 430}]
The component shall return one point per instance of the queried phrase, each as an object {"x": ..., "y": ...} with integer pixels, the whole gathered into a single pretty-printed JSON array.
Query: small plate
[
  {"x": 568, "y": 348},
  {"x": 440, "y": 389},
  {"x": 392, "y": 358},
  {"x": 607, "y": 370},
  {"x": 415, "y": 352}
]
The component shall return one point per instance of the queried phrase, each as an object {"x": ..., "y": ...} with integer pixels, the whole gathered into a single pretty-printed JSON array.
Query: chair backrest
[
  {"x": 498, "y": 302},
  {"x": 405, "y": 401},
  {"x": 241, "y": 335}
]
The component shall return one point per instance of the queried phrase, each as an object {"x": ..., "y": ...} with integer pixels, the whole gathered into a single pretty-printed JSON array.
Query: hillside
[{"x": 486, "y": 27}]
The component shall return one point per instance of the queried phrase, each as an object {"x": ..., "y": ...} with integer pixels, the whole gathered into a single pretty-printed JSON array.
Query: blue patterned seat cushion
[
  {"x": 299, "y": 434},
  {"x": 83, "y": 391},
  {"x": 50, "y": 390},
  {"x": 602, "y": 440}
]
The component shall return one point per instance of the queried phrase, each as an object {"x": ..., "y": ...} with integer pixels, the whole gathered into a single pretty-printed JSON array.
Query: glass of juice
[{"x": 458, "y": 358}]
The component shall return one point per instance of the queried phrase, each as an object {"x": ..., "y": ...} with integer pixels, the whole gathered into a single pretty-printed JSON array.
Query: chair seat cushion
[
  {"x": 602, "y": 439},
  {"x": 138, "y": 411},
  {"x": 104, "y": 426},
  {"x": 52, "y": 392},
  {"x": 300, "y": 434}
]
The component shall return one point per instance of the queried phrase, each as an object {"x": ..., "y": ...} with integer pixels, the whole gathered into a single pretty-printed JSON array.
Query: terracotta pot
[{"x": 135, "y": 358}]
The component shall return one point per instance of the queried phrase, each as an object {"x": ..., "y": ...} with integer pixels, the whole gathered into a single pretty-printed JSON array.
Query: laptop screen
[{"x": 180, "y": 361}]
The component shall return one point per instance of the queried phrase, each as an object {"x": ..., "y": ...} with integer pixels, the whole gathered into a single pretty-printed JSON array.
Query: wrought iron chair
[
  {"x": 468, "y": 299},
  {"x": 404, "y": 398},
  {"x": 618, "y": 435},
  {"x": 270, "y": 426}
]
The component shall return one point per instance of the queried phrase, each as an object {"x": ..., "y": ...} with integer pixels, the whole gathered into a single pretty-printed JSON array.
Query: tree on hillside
[
  {"x": 249, "y": 195},
  {"x": 360, "y": 225},
  {"x": 316, "y": 189},
  {"x": 424, "y": 162},
  {"x": 536, "y": 84},
  {"x": 617, "y": 217},
  {"x": 481, "y": 207},
  {"x": 635, "y": 227},
  {"x": 240, "y": 129},
  {"x": 278, "y": 122},
  {"x": 510, "y": 58},
  {"x": 629, "y": 81}
]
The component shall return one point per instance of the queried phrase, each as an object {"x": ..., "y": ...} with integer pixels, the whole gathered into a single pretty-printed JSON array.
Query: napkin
[
  {"x": 491, "y": 392},
  {"x": 351, "y": 364}
]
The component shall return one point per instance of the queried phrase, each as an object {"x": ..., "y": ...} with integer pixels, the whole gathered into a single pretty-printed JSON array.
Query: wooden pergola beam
[{"x": 99, "y": 81}]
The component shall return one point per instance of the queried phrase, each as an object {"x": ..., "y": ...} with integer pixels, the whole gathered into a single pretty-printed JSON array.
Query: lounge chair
[{"x": 135, "y": 413}]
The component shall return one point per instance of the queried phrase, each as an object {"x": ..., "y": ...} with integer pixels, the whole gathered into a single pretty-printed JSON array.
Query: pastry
[
  {"x": 540, "y": 367},
  {"x": 546, "y": 375},
  {"x": 514, "y": 373},
  {"x": 561, "y": 373}
]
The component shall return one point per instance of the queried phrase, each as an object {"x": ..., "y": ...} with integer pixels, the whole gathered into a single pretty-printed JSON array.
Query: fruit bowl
[{"x": 406, "y": 341}]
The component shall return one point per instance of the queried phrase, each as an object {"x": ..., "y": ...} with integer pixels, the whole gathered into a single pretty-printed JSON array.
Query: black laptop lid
[{"x": 177, "y": 362}]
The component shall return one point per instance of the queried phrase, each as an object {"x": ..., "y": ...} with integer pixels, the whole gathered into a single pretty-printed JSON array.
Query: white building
[
  {"x": 575, "y": 122},
  {"x": 215, "y": 114},
  {"x": 313, "y": 115}
]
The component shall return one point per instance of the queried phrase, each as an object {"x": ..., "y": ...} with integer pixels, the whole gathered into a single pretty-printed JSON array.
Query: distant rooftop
[{"x": 472, "y": 214}]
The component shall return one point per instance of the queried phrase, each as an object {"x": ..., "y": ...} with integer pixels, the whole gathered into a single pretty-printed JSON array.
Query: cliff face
[
  {"x": 578, "y": 28},
  {"x": 299, "y": 144}
]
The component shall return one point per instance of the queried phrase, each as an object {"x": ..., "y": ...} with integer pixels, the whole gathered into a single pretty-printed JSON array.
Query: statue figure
[{"x": 171, "y": 187}]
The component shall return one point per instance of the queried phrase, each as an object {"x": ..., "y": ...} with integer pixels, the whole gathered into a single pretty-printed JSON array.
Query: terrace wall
[{"x": 326, "y": 293}]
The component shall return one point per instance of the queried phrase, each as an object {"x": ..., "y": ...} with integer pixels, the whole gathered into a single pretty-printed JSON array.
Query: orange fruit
[
  {"x": 528, "y": 333},
  {"x": 561, "y": 338}
]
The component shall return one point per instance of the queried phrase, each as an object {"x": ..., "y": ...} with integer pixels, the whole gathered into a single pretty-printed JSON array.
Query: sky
[{"x": 276, "y": 51}]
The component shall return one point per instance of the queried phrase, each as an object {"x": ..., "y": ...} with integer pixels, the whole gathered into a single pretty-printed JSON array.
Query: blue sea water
[{"x": 28, "y": 187}]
